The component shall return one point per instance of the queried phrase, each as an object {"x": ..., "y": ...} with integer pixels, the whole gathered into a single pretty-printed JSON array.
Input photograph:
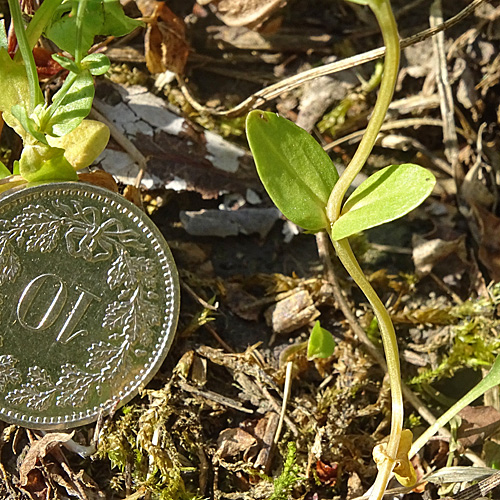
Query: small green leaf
[
  {"x": 66, "y": 63},
  {"x": 28, "y": 124},
  {"x": 321, "y": 343},
  {"x": 14, "y": 89},
  {"x": 84, "y": 144},
  {"x": 97, "y": 64},
  {"x": 65, "y": 114},
  {"x": 4, "y": 171},
  {"x": 116, "y": 23},
  {"x": 105, "y": 18},
  {"x": 296, "y": 172},
  {"x": 42, "y": 163},
  {"x": 63, "y": 27},
  {"x": 386, "y": 195}
]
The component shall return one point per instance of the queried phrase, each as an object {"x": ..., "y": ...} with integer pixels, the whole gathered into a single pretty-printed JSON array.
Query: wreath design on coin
[{"x": 90, "y": 234}]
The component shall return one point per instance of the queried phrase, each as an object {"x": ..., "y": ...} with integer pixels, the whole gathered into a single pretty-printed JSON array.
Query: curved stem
[
  {"x": 346, "y": 256},
  {"x": 385, "y": 18}
]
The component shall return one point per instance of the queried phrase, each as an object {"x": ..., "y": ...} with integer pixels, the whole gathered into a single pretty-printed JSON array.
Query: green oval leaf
[
  {"x": 321, "y": 343},
  {"x": 20, "y": 113},
  {"x": 106, "y": 17},
  {"x": 97, "y": 64},
  {"x": 84, "y": 144},
  {"x": 42, "y": 163},
  {"x": 14, "y": 90},
  {"x": 386, "y": 195},
  {"x": 66, "y": 63},
  {"x": 297, "y": 174},
  {"x": 70, "y": 105}
]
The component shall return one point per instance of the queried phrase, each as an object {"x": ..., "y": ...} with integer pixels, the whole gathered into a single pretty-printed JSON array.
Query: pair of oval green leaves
[{"x": 299, "y": 177}]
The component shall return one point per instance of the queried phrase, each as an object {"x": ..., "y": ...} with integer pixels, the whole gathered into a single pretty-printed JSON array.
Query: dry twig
[
  {"x": 446, "y": 96},
  {"x": 273, "y": 91}
]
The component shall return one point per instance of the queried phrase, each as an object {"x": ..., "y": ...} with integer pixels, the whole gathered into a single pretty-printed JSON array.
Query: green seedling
[
  {"x": 321, "y": 343},
  {"x": 58, "y": 139},
  {"x": 305, "y": 186}
]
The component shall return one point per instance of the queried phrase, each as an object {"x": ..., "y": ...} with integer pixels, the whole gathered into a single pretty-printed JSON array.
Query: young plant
[
  {"x": 57, "y": 139},
  {"x": 303, "y": 183}
]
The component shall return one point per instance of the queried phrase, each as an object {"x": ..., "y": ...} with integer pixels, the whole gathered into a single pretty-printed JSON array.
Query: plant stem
[
  {"x": 385, "y": 18},
  {"x": 383, "y": 13},
  {"x": 346, "y": 256},
  {"x": 36, "y": 96},
  {"x": 79, "y": 30}
]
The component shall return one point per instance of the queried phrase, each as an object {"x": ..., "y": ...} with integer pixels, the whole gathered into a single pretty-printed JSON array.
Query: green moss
[
  {"x": 289, "y": 477},
  {"x": 474, "y": 341},
  {"x": 141, "y": 441}
]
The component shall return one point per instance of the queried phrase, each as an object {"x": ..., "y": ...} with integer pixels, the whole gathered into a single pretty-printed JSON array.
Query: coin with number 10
[{"x": 89, "y": 300}]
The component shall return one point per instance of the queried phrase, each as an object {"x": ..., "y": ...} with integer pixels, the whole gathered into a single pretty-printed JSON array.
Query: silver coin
[{"x": 89, "y": 300}]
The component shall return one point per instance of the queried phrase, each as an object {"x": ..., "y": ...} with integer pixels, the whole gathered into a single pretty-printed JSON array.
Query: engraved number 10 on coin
[{"x": 55, "y": 308}]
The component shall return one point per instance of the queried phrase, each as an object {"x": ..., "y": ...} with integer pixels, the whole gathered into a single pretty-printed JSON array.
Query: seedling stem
[
  {"x": 385, "y": 18},
  {"x": 304, "y": 184}
]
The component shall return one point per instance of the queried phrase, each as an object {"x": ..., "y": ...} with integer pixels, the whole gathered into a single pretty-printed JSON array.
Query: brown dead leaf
[
  {"x": 36, "y": 486},
  {"x": 438, "y": 451},
  {"x": 46, "y": 67},
  {"x": 183, "y": 366},
  {"x": 232, "y": 442},
  {"x": 101, "y": 179},
  {"x": 165, "y": 42},
  {"x": 199, "y": 371},
  {"x": 39, "y": 449},
  {"x": 30, "y": 476},
  {"x": 420, "y": 471},
  {"x": 61, "y": 481},
  {"x": 132, "y": 194},
  {"x": 478, "y": 423},
  {"x": 242, "y": 303},
  {"x": 327, "y": 474},
  {"x": 243, "y": 12},
  {"x": 428, "y": 315},
  {"x": 197, "y": 160},
  {"x": 292, "y": 313},
  {"x": 265, "y": 431},
  {"x": 474, "y": 188},
  {"x": 489, "y": 244}
]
